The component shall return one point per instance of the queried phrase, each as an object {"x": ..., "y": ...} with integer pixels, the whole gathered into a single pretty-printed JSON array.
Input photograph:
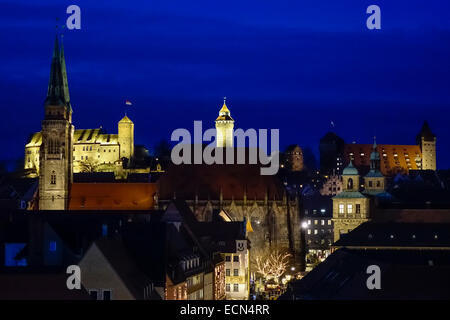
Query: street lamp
[{"x": 304, "y": 225}]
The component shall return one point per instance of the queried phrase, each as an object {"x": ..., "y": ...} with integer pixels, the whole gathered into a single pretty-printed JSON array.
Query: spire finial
[{"x": 224, "y": 100}]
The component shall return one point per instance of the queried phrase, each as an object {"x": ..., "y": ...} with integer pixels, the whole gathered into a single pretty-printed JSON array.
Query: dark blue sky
[{"x": 293, "y": 65}]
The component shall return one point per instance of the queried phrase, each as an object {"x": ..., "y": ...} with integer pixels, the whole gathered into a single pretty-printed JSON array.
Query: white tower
[{"x": 224, "y": 127}]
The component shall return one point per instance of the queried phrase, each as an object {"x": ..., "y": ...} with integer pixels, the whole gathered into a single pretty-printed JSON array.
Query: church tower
[
  {"x": 224, "y": 128},
  {"x": 55, "y": 163},
  {"x": 126, "y": 138},
  {"x": 427, "y": 142},
  {"x": 350, "y": 207},
  {"x": 374, "y": 181}
]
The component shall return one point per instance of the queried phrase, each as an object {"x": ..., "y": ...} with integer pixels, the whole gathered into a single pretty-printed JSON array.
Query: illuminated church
[{"x": 90, "y": 149}]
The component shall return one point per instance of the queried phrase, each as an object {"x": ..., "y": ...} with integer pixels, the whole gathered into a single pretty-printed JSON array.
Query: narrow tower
[
  {"x": 224, "y": 127},
  {"x": 126, "y": 138},
  {"x": 374, "y": 181},
  {"x": 427, "y": 142},
  {"x": 55, "y": 172}
]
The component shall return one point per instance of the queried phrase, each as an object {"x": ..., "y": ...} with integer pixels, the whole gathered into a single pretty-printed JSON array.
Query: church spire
[
  {"x": 64, "y": 75},
  {"x": 58, "y": 90}
]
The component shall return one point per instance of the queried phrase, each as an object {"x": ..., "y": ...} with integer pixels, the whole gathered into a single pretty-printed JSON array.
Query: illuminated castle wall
[{"x": 91, "y": 149}]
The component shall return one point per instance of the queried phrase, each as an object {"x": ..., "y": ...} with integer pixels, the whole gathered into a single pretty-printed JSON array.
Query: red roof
[
  {"x": 112, "y": 196},
  {"x": 187, "y": 180},
  {"x": 393, "y": 158}
]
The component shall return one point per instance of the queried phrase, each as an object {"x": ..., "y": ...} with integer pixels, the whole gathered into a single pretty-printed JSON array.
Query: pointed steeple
[
  {"x": 224, "y": 113},
  {"x": 64, "y": 75},
  {"x": 375, "y": 158},
  {"x": 425, "y": 133},
  {"x": 58, "y": 90}
]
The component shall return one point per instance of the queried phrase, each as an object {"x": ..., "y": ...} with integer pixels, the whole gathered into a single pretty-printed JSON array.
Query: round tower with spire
[{"x": 224, "y": 127}]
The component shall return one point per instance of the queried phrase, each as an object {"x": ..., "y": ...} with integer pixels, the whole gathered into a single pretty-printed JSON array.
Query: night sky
[{"x": 293, "y": 65}]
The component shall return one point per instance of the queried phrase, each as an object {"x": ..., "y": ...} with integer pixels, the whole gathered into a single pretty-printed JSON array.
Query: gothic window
[
  {"x": 53, "y": 146},
  {"x": 350, "y": 184},
  {"x": 53, "y": 178}
]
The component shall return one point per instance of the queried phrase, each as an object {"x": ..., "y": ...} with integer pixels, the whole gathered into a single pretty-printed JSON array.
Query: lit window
[
  {"x": 322, "y": 222},
  {"x": 315, "y": 231},
  {"x": 329, "y": 222},
  {"x": 341, "y": 208},
  {"x": 309, "y": 231},
  {"x": 349, "y": 208}
]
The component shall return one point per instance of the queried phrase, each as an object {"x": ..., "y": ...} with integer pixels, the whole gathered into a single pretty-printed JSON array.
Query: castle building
[
  {"x": 91, "y": 150},
  {"x": 427, "y": 142},
  {"x": 331, "y": 149},
  {"x": 397, "y": 158},
  {"x": 224, "y": 128}
]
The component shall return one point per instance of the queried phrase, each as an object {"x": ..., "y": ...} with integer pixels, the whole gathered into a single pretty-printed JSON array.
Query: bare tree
[{"x": 271, "y": 264}]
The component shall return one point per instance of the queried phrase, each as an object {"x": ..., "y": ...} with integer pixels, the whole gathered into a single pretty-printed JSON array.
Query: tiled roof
[
  {"x": 397, "y": 235},
  {"x": 394, "y": 158},
  {"x": 208, "y": 180},
  {"x": 112, "y": 196},
  {"x": 80, "y": 136},
  {"x": 349, "y": 195}
]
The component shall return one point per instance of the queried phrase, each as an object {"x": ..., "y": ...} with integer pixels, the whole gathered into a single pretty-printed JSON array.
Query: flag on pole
[{"x": 128, "y": 102}]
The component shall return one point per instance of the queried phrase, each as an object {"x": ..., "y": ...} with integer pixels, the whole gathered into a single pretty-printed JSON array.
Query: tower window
[
  {"x": 350, "y": 184},
  {"x": 53, "y": 178}
]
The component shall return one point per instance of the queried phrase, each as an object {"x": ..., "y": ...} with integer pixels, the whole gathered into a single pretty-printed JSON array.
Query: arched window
[
  {"x": 350, "y": 184},
  {"x": 53, "y": 178}
]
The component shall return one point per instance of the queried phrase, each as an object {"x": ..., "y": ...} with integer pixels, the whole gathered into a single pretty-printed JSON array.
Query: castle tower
[
  {"x": 224, "y": 127},
  {"x": 55, "y": 164},
  {"x": 374, "y": 181},
  {"x": 126, "y": 138},
  {"x": 350, "y": 207},
  {"x": 427, "y": 142}
]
